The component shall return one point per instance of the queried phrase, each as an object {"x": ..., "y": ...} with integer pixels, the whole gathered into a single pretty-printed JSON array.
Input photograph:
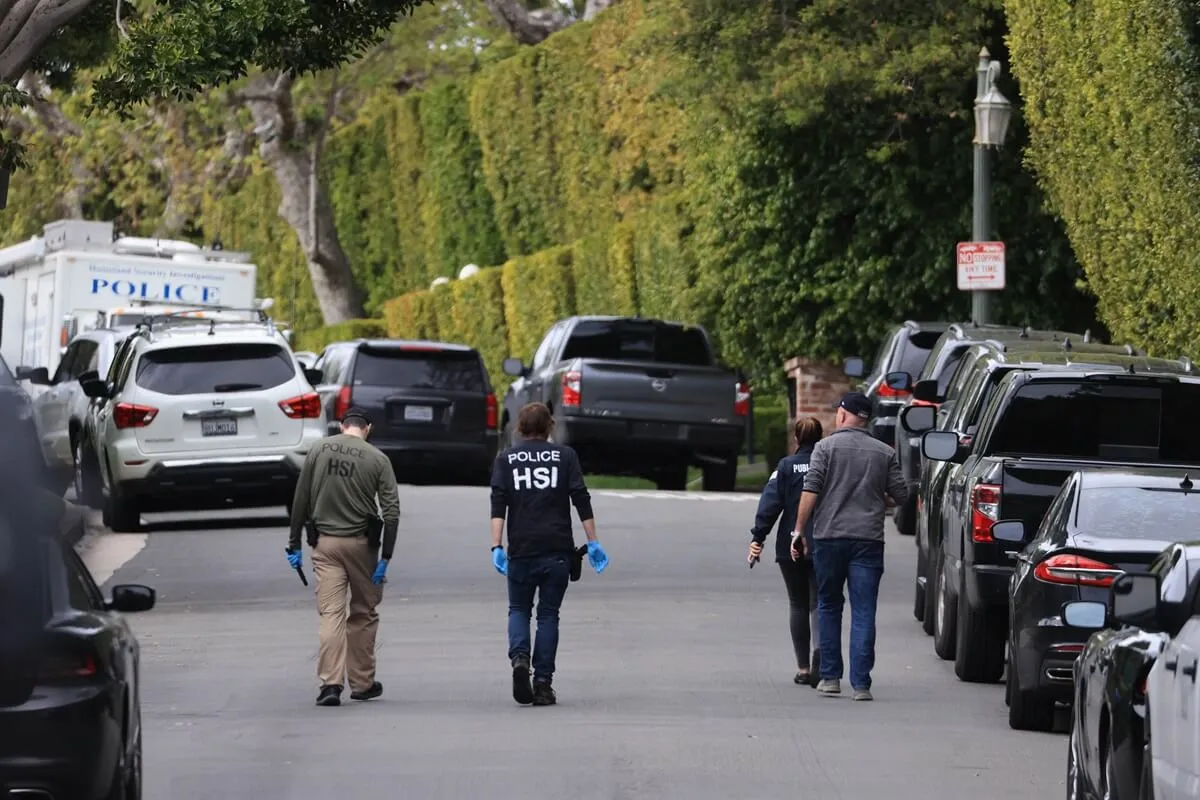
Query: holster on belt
[
  {"x": 374, "y": 532},
  {"x": 311, "y": 534},
  {"x": 577, "y": 562}
]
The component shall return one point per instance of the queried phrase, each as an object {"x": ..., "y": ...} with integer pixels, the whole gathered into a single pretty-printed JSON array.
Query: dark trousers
[
  {"x": 547, "y": 577},
  {"x": 801, "y": 586},
  {"x": 859, "y": 564}
]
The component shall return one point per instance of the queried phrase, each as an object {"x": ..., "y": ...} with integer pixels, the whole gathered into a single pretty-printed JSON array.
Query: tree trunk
[
  {"x": 25, "y": 25},
  {"x": 61, "y": 130},
  {"x": 527, "y": 27},
  {"x": 282, "y": 143},
  {"x": 594, "y": 7}
]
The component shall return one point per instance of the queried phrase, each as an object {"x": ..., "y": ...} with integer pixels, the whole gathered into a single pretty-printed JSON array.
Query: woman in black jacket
[{"x": 779, "y": 501}]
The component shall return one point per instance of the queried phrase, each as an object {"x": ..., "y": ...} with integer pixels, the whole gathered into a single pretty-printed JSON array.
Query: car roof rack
[{"x": 158, "y": 322}]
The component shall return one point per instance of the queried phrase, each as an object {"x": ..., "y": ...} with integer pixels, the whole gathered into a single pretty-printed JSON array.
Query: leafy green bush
[
  {"x": 604, "y": 273},
  {"x": 1113, "y": 99},
  {"x": 479, "y": 316},
  {"x": 441, "y": 298},
  {"x": 316, "y": 340},
  {"x": 538, "y": 291}
]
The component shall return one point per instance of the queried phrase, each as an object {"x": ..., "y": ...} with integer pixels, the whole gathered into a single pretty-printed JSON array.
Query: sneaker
[
  {"x": 830, "y": 687},
  {"x": 863, "y": 694},
  {"x": 330, "y": 696},
  {"x": 543, "y": 694},
  {"x": 521, "y": 690},
  {"x": 371, "y": 693}
]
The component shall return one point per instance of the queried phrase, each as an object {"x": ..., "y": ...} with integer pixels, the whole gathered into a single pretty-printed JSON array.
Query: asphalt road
[{"x": 674, "y": 674}]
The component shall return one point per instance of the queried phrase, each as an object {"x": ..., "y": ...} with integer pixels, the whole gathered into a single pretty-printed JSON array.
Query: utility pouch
[
  {"x": 577, "y": 562},
  {"x": 374, "y": 532},
  {"x": 310, "y": 532}
]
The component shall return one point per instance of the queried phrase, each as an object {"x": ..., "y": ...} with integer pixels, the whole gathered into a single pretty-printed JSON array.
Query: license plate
[
  {"x": 656, "y": 430},
  {"x": 218, "y": 427},
  {"x": 418, "y": 413}
]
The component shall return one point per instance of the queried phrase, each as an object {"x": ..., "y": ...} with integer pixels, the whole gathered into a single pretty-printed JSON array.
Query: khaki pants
[{"x": 347, "y": 642}]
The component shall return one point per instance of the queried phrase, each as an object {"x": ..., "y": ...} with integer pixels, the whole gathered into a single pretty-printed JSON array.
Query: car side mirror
[
  {"x": 131, "y": 598},
  {"x": 94, "y": 388},
  {"x": 854, "y": 367},
  {"x": 1087, "y": 614},
  {"x": 1009, "y": 530},
  {"x": 918, "y": 419},
  {"x": 942, "y": 446},
  {"x": 513, "y": 367},
  {"x": 313, "y": 376},
  {"x": 926, "y": 391},
  {"x": 899, "y": 382},
  {"x": 1133, "y": 599},
  {"x": 38, "y": 376}
]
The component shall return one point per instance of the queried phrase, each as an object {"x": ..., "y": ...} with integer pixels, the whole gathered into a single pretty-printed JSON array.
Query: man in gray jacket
[{"x": 852, "y": 474}]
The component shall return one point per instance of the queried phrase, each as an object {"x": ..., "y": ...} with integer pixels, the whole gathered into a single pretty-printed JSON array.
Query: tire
[
  {"x": 1074, "y": 779},
  {"x": 87, "y": 481},
  {"x": 1027, "y": 711},
  {"x": 1108, "y": 775},
  {"x": 945, "y": 629},
  {"x": 672, "y": 479},
  {"x": 720, "y": 477},
  {"x": 1146, "y": 785},
  {"x": 127, "y": 781},
  {"x": 906, "y": 516},
  {"x": 919, "y": 591},
  {"x": 979, "y": 649},
  {"x": 930, "y": 616},
  {"x": 122, "y": 515}
]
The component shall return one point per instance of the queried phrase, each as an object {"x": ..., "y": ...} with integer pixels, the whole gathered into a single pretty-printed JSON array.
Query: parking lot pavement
[{"x": 674, "y": 674}]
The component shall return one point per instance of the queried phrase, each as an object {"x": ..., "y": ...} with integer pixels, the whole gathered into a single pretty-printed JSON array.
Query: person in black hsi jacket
[
  {"x": 779, "y": 501},
  {"x": 535, "y": 483}
]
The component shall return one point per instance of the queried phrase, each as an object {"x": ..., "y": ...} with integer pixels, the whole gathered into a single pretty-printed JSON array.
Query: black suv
[
  {"x": 928, "y": 386},
  {"x": 433, "y": 409},
  {"x": 1048, "y": 414},
  {"x": 905, "y": 349}
]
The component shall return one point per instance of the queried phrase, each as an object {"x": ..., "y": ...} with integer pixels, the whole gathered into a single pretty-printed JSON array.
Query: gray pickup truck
[{"x": 637, "y": 397}]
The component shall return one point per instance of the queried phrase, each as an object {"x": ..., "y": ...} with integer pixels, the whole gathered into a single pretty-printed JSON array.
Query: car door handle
[
  {"x": 1171, "y": 666},
  {"x": 1191, "y": 671}
]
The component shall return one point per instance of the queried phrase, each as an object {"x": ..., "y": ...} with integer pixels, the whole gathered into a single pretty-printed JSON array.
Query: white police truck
[{"x": 79, "y": 277}]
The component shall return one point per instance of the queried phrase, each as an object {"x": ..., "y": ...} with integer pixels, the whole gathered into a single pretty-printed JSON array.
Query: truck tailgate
[{"x": 658, "y": 392}]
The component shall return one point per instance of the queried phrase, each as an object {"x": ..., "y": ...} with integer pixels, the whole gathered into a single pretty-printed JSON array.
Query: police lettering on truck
[
  {"x": 534, "y": 477},
  {"x": 178, "y": 293}
]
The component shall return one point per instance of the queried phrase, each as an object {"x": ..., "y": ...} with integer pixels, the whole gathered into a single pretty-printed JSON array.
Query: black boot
[
  {"x": 330, "y": 696},
  {"x": 521, "y": 690},
  {"x": 543, "y": 694},
  {"x": 814, "y": 668},
  {"x": 370, "y": 693}
]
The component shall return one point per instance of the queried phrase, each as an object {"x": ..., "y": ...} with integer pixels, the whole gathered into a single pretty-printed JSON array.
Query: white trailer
[{"x": 78, "y": 277}]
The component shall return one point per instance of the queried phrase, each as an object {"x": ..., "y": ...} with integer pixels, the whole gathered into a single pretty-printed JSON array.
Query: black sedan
[
  {"x": 70, "y": 716},
  {"x": 1110, "y": 727},
  {"x": 1100, "y": 524}
]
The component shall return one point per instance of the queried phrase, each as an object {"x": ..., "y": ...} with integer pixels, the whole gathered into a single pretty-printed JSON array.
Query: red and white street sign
[{"x": 980, "y": 266}]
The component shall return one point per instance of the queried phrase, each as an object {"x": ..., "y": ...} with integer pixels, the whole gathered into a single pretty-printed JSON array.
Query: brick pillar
[{"x": 818, "y": 385}]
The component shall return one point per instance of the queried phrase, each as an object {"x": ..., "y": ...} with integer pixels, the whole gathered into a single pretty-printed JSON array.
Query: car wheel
[
  {"x": 672, "y": 479},
  {"x": 945, "y": 627},
  {"x": 122, "y": 515},
  {"x": 1027, "y": 711},
  {"x": 1074, "y": 779},
  {"x": 918, "y": 590},
  {"x": 929, "y": 618},
  {"x": 1146, "y": 790},
  {"x": 1108, "y": 775},
  {"x": 87, "y": 480},
  {"x": 127, "y": 778},
  {"x": 979, "y": 649},
  {"x": 720, "y": 477},
  {"x": 906, "y": 516}
]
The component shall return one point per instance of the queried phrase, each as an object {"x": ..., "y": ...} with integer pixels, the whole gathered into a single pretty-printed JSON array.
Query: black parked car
[
  {"x": 1039, "y": 426},
  {"x": 1100, "y": 524},
  {"x": 905, "y": 349},
  {"x": 70, "y": 726},
  {"x": 929, "y": 386},
  {"x": 1110, "y": 726},
  {"x": 433, "y": 409}
]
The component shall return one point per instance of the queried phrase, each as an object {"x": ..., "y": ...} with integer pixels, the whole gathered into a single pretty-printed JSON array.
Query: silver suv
[{"x": 200, "y": 414}]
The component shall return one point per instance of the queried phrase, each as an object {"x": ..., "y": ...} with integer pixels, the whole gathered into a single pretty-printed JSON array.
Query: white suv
[{"x": 200, "y": 414}]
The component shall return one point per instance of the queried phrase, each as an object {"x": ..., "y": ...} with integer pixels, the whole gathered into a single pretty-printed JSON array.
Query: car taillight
[
  {"x": 741, "y": 399},
  {"x": 64, "y": 667},
  {"x": 306, "y": 406},
  {"x": 572, "y": 388},
  {"x": 887, "y": 391},
  {"x": 985, "y": 511},
  {"x": 342, "y": 403},
  {"x": 493, "y": 416},
  {"x": 1076, "y": 570},
  {"x": 129, "y": 415}
]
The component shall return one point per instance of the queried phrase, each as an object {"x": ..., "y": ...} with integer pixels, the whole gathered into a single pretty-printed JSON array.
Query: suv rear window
[
  {"x": 638, "y": 340},
  {"x": 914, "y": 351},
  {"x": 215, "y": 368},
  {"x": 1103, "y": 420},
  {"x": 1136, "y": 512},
  {"x": 447, "y": 370}
]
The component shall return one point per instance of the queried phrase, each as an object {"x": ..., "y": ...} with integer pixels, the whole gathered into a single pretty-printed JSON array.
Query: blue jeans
[
  {"x": 547, "y": 576},
  {"x": 859, "y": 563}
]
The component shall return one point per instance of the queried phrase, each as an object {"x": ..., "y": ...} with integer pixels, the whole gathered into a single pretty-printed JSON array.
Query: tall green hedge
[{"x": 1113, "y": 99}]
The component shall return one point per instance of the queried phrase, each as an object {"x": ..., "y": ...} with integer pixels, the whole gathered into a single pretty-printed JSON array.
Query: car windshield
[
  {"x": 215, "y": 368},
  {"x": 1111, "y": 420},
  {"x": 400, "y": 368},
  {"x": 638, "y": 340},
  {"x": 1135, "y": 512}
]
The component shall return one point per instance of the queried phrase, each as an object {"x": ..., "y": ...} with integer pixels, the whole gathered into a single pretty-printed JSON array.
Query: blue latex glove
[
  {"x": 295, "y": 559},
  {"x": 597, "y": 556},
  {"x": 380, "y": 572},
  {"x": 500, "y": 560}
]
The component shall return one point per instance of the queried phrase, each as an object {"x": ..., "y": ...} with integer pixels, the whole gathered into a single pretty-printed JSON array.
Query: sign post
[{"x": 980, "y": 266}]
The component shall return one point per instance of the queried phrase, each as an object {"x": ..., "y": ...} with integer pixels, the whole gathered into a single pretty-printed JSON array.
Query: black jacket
[
  {"x": 780, "y": 499},
  {"x": 534, "y": 485}
]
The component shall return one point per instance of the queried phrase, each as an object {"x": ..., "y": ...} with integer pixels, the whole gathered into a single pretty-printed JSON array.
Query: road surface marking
[{"x": 111, "y": 551}]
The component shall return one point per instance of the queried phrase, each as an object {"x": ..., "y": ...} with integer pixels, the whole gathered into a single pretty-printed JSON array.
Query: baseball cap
[
  {"x": 356, "y": 412},
  {"x": 857, "y": 404}
]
